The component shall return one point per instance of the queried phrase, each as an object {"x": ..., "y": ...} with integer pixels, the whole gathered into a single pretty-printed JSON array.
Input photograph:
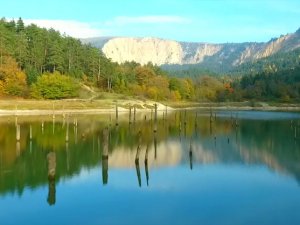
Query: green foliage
[
  {"x": 49, "y": 63},
  {"x": 54, "y": 86}
]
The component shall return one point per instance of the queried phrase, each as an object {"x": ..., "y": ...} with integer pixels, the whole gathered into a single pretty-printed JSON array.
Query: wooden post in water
[
  {"x": 129, "y": 114},
  {"x": 155, "y": 118},
  {"x": 236, "y": 121},
  {"x": 18, "y": 132},
  {"x": 166, "y": 110},
  {"x": 134, "y": 113},
  {"x": 16, "y": 116},
  {"x": 117, "y": 115},
  {"x": 105, "y": 156},
  {"x": 196, "y": 120},
  {"x": 53, "y": 112},
  {"x": 18, "y": 137},
  {"x": 30, "y": 132},
  {"x": 75, "y": 130},
  {"x": 53, "y": 125},
  {"x": 295, "y": 137},
  {"x": 42, "y": 127},
  {"x": 67, "y": 131}
]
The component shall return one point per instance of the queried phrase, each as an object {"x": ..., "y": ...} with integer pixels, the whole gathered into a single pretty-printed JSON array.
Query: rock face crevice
[{"x": 161, "y": 51}]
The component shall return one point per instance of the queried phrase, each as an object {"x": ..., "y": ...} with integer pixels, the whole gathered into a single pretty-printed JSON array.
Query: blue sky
[{"x": 216, "y": 21}]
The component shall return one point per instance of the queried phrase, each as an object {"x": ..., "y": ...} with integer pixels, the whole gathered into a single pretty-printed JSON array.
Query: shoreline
[
  {"x": 42, "y": 112},
  {"x": 108, "y": 106}
]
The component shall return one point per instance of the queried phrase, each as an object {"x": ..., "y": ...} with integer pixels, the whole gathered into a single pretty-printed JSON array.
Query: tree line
[{"x": 44, "y": 64}]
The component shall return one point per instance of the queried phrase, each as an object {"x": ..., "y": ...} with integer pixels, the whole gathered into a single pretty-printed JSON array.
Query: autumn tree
[{"x": 12, "y": 79}]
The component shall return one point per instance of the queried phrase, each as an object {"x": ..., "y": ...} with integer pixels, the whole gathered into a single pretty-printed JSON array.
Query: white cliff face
[
  {"x": 143, "y": 50},
  {"x": 205, "y": 50},
  {"x": 157, "y": 51},
  {"x": 272, "y": 47},
  {"x": 160, "y": 51}
]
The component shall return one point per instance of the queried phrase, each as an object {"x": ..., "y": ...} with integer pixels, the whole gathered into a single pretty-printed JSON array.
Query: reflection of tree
[
  {"x": 105, "y": 156},
  {"x": 51, "y": 159},
  {"x": 271, "y": 143},
  {"x": 51, "y": 199}
]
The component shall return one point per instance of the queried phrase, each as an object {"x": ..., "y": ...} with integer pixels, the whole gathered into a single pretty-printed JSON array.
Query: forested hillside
[{"x": 43, "y": 64}]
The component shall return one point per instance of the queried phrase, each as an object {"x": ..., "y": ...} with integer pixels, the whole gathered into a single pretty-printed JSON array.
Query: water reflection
[
  {"x": 142, "y": 142},
  {"x": 105, "y": 156},
  {"x": 51, "y": 160}
]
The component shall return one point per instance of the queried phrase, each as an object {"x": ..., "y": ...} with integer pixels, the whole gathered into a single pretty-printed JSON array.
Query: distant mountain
[{"x": 214, "y": 57}]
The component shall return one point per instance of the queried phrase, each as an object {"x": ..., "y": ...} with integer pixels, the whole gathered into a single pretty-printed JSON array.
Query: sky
[{"x": 214, "y": 21}]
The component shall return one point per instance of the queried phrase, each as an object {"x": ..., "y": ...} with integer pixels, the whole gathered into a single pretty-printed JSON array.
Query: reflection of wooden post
[
  {"x": 51, "y": 159},
  {"x": 155, "y": 117},
  {"x": 138, "y": 147},
  {"x": 137, "y": 165},
  {"x": 18, "y": 132},
  {"x": 155, "y": 146},
  {"x": 105, "y": 156},
  {"x": 295, "y": 133},
  {"x": 146, "y": 166},
  {"x": 191, "y": 156},
  {"x": 18, "y": 148},
  {"x": 196, "y": 120},
  {"x": 138, "y": 172}
]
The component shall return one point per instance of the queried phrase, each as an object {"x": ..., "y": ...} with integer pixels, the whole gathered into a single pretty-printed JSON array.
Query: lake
[{"x": 199, "y": 167}]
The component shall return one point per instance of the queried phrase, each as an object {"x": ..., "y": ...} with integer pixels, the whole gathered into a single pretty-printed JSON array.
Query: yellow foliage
[
  {"x": 13, "y": 79},
  {"x": 175, "y": 95},
  {"x": 152, "y": 92}
]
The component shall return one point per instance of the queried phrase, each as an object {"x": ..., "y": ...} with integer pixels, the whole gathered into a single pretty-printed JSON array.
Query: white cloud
[
  {"x": 123, "y": 20},
  {"x": 69, "y": 27}
]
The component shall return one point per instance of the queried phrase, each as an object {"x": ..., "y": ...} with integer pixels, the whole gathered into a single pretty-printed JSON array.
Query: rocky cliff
[{"x": 160, "y": 51}]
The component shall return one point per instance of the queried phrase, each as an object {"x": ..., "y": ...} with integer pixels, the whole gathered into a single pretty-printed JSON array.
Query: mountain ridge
[{"x": 163, "y": 51}]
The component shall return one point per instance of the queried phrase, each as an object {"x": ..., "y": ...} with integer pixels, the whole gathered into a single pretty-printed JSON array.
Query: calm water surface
[{"x": 228, "y": 168}]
